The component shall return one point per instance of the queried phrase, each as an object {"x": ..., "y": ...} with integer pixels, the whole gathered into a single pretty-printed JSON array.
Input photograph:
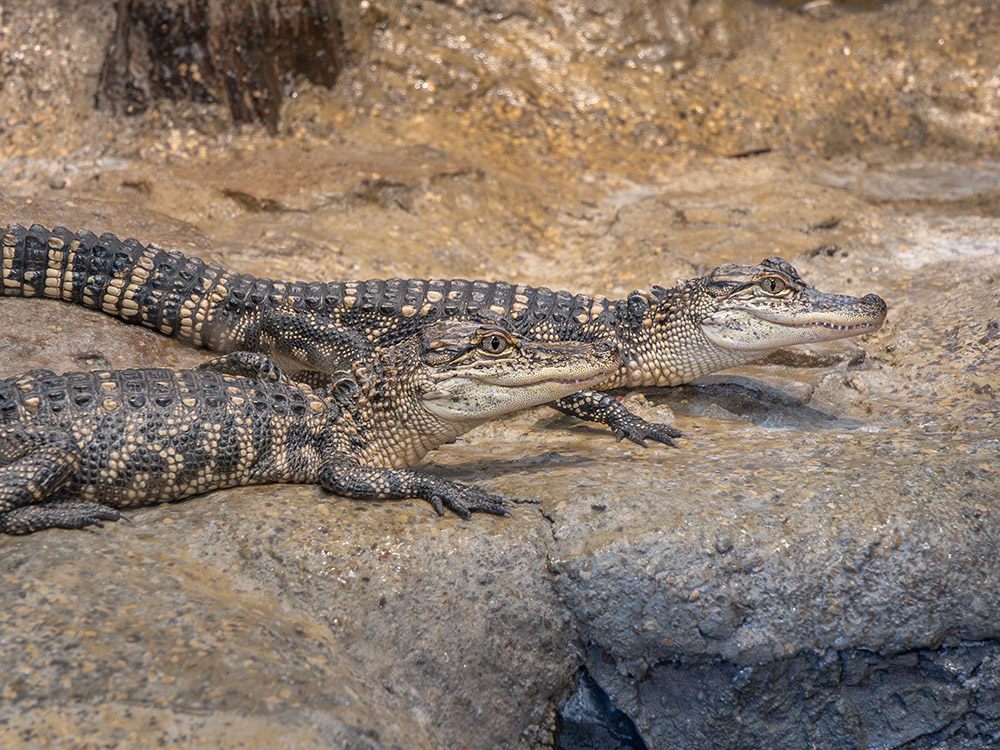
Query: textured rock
[
  {"x": 818, "y": 562},
  {"x": 152, "y": 644},
  {"x": 746, "y": 559}
]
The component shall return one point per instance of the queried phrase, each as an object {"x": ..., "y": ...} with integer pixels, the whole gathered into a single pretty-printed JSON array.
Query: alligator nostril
[{"x": 874, "y": 300}]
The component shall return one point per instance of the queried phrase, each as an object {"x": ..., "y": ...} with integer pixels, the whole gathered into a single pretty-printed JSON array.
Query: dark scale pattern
[
  {"x": 77, "y": 448},
  {"x": 731, "y": 316}
]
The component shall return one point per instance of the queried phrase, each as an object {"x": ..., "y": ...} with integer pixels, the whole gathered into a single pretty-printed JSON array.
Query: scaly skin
[
  {"x": 729, "y": 317},
  {"x": 77, "y": 448}
]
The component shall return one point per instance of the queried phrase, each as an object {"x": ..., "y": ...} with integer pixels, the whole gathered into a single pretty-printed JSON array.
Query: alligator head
[
  {"x": 733, "y": 315},
  {"x": 480, "y": 372},
  {"x": 455, "y": 375},
  {"x": 760, "y": 308}
]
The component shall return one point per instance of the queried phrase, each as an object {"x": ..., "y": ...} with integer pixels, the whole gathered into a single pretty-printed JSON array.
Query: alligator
[
  {"x": 77, "y": 448},
  {"x": 732, "y": 315}
]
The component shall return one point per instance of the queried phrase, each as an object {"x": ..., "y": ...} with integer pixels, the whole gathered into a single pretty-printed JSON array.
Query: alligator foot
[
  {"x": 367, "y": 483},
  {"x": 463, "y": 499},
  {"x": 61, "y": 515},
  {"x": 595, "y": 406},
  {"x": 638, "y": 430}
]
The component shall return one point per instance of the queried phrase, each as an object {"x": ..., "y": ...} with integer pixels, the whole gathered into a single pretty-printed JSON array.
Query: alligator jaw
[
  {"x": 475, "y": 398},
  {"x": 847, "y": 330},
  {"x": 579, "y": 383},
  {"x": 812, "y": 318}
]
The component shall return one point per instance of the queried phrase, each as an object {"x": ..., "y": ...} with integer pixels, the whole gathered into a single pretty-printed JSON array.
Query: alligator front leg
[
  {"x": 35, "y": 462},
  {"x": 61, "y": 515},
  {"x": 366, "y": 483},
  {"x": 595, "y": 406}
]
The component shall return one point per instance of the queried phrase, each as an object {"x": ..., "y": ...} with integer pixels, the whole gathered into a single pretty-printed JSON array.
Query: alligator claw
[
  {"x": 89, "y": 514},
  {"x": 464, "y": 500},
  {"x": 638, "y": 430},
  {"x": 435, "y": 501}
]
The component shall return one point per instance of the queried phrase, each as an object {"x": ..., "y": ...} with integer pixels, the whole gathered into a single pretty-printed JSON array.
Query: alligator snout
[{"x": 876, "y": 305}]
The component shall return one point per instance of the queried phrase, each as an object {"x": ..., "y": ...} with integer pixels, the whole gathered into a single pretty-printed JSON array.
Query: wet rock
[
  {"x": 817, "y": 561},
  {"x": 921, "y": 699},
  {"x": 751, "y": 400},
  {"x": 759, "y": 563}
]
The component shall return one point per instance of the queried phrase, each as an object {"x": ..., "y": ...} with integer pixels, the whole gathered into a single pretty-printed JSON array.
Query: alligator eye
[
  {"x": 772, "y": 285},
  {"x": 493, "y": 345}
]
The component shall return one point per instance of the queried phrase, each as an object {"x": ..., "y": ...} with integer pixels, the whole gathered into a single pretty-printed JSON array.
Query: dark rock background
[
  {"x": 816, "y": 567},
  {"x": 240, "y": 54}
]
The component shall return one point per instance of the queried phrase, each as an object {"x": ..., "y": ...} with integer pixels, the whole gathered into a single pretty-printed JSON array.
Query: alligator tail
[{"x": 137, "y": 283}]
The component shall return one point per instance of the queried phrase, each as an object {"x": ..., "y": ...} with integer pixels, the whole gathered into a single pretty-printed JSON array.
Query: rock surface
[{"x": 816, "y": 567}]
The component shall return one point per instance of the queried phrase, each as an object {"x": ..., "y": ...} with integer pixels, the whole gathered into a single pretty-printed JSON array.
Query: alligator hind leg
[
  {"x": 35, "y": 462},
  {"x": 595, "y": 406},
  {"x": 367, "y": 483}
]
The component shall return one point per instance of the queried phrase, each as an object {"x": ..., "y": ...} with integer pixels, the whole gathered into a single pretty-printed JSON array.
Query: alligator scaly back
[{"x": 208, "y": 305}]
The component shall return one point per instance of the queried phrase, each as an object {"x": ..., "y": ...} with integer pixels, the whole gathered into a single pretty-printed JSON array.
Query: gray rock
[{"x": 815, "y": 567}]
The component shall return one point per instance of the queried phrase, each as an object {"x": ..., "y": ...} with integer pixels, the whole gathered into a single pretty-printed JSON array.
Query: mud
[{"x": 817, "y": 562}]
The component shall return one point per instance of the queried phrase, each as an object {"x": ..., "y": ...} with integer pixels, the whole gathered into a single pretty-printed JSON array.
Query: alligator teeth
[{"x": 835, "y": 327}]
